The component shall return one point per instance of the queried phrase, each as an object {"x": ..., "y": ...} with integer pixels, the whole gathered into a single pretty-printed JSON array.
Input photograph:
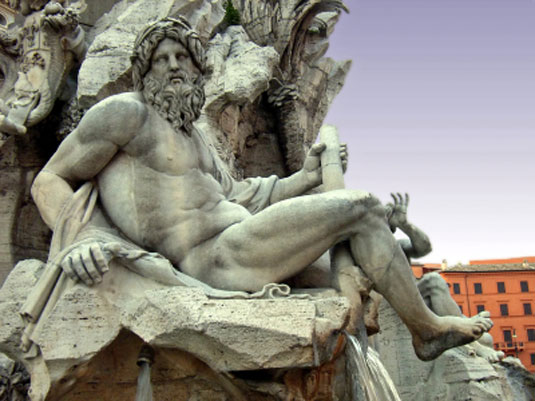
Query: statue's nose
[{"x": 173, "y": 63}]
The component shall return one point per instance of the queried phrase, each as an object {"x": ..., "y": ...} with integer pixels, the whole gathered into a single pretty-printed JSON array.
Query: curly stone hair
[{"x": 148, "y": 40}]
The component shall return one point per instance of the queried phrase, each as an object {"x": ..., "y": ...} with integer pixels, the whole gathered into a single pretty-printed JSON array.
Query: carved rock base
[{"x": 263, "y": 349}]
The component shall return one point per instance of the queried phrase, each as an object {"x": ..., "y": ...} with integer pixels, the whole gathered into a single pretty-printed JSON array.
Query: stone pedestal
[{"x": 208, "y": 348}]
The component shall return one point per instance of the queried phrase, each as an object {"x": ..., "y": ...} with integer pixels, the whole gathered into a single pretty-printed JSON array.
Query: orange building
[{"x": 505, "y": 288}]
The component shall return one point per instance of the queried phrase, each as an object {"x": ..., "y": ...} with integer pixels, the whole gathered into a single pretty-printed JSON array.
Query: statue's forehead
[{"x": 169, "y": 44}]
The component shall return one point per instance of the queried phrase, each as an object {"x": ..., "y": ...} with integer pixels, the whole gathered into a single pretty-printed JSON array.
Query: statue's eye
[{"x": 162, "y": 58}]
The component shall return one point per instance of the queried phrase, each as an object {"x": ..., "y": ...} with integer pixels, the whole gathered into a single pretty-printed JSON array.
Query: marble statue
[
  {"x": 161, "y": 186},
  {"x": 432, "y": 286}
]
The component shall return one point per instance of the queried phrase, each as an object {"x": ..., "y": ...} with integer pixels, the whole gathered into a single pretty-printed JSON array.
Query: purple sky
[{"x": 440, "y": 103}]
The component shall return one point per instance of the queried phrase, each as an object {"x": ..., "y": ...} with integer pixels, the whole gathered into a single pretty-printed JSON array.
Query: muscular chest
[{"x": 162, "y": 149}]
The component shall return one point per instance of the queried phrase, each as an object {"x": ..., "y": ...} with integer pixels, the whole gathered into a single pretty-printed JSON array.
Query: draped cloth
[{"x": 69, "y": 233}]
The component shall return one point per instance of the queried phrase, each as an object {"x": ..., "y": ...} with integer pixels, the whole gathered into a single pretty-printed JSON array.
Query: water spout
[
  {"x": 144, "y": 386},
  {"x": 368, "y": 374}
]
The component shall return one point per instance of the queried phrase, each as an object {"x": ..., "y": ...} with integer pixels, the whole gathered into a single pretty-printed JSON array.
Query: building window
[
  {"x": 527, "y": 309},
  {"x": 501, "y": 286},
  {"x": 461, "y": 308},
  {"x": 456, "y": 288},
  {"x": 524, "y": 286},
  {"x": 532, "y": 359},
  {"x": 531, "y": 334},
  {"x": 480, "y": 308},
  {"x": 507, "y": 336},
  {"x": 477, "y": 288},
  {"x": 504, "y": 310}
]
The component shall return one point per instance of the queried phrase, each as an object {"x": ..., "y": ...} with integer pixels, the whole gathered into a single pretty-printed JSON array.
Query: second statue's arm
[{"x": 418, "y": 244}]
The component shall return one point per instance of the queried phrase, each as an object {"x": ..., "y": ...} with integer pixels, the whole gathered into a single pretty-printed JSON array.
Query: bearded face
[
  {"x": 173, "y": 86},
  {"x": 177, "y": 99}
]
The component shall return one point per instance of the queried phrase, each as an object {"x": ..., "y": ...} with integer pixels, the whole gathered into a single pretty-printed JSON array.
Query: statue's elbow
[
  {"x": 37, "y": 187},
  {"x": 427, "y": 248},
  {"x": 49, "y": 192}
]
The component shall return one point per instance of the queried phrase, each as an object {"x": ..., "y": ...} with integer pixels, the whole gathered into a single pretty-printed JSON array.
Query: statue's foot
[
  {"x": 449, "y": 332},
  {"x": 487, "y": 353}
]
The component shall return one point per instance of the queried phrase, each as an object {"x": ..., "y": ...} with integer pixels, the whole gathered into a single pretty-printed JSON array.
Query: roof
[
  {"x": 529, "y": 259},
  {"x": 497, "y": 267}
]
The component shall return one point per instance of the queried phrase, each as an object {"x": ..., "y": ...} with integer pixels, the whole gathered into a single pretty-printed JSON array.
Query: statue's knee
[
  {"x": 433, "y": 282},
  {"x": 367, "y": 203}
]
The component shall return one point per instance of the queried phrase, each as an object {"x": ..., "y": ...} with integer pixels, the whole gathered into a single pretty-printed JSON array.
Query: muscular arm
[
  {"x": 294, "y": 185},
  {"x": 418, "y": 244},
  {"x": 309, "y": 177},
  {"x": 105, "y": 128}
]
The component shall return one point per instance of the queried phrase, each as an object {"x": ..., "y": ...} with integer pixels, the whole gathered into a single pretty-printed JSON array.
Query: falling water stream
[
  {"x": 144, "y": 386},
  {"x": 368, "y": 374}
]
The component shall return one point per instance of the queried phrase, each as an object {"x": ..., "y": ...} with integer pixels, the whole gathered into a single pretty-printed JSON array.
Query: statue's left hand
[
  {"x": 312, "y": 164},
  {"x": 86, "y": 262},
  {"x": 399, "y": 210}
]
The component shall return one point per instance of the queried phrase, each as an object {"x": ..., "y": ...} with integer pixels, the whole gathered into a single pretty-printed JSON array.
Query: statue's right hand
[{"x": 86, "y": 262}]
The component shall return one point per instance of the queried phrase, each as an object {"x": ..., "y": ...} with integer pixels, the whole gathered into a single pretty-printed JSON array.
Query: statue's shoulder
[
  {"x": 125, "y": 109},
  {"x": 118, "y": 118},
  {"x": 125, "y": 101}
]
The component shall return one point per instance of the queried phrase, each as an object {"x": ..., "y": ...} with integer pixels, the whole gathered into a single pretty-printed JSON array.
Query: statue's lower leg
[
  {"x": 351, "y": 283},
  {"x": 386, "y": 265}
]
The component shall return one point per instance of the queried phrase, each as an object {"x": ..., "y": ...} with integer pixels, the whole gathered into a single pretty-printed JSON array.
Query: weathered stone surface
[
  {"x": 227, "y": 335},
  {"x": 114, "y": 36},
  {"x": 12, "y": 296},
  {"x": 456, "y": 375},
  {"x": 241, "y": 70},
  {"x": 12, "y": 180},
  {"x": 14, "y": 380},
  {"x": 110, "y": 52}
]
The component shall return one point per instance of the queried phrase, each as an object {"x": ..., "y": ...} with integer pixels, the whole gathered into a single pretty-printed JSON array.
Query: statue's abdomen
[{"x": 163, "y": 212}]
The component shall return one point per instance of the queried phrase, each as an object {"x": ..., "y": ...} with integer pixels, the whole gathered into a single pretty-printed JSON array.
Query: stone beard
[{"x": 179, "y": 103}]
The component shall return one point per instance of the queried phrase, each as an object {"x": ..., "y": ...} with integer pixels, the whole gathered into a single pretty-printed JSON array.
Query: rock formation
[{"x": 458, "y": 374}]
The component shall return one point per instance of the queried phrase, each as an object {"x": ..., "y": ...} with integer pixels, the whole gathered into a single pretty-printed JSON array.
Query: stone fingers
[
  {"x": 74, "y": 267},
  {"x": 90, "y": 266},
  {"x": 67, "y": 266},
  {"x": 98, "y": 257},
  {"x": 344, "y": 156},
  {"x": 86, "y": 263},
  {"x": 317, "y": 148}
]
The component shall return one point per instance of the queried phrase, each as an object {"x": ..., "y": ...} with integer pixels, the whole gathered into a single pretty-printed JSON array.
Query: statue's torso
[{"x": 159, "y": 189}]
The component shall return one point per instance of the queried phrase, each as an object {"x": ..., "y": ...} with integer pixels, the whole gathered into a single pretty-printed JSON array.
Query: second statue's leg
[{"x": 436, "y": 292}]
